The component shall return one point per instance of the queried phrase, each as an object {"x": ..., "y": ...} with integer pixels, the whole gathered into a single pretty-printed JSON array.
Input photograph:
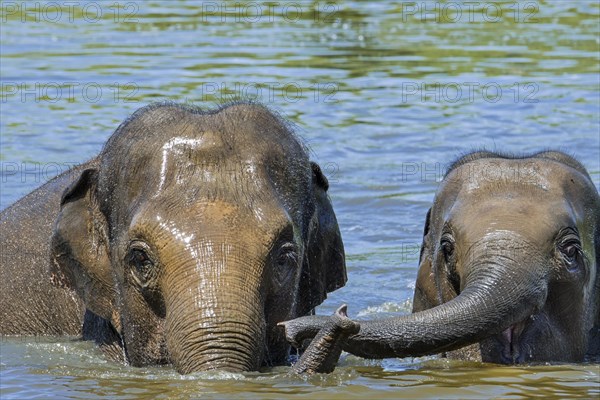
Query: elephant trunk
[
  {"x": 494, "y": 298},
  {"x": 216, "y": 325}
]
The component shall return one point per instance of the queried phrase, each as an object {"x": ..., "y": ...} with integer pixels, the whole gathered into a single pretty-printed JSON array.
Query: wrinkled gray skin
[
  {"x": 509, "y": 264},
  {"x": 188, "y": 238},
  {"x": 325, "y": 349},
  {"x": 29, "y": 303}
]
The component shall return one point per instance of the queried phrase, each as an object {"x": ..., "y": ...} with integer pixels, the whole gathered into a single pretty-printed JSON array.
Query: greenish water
[{"x": 386, "y": 95}]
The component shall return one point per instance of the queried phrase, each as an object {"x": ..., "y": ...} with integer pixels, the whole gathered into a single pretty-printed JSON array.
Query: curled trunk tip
[
  {"x": 342, "y": 311},
  {"x": 324, "y": 351},
  {"x": 344, "y": 323}
]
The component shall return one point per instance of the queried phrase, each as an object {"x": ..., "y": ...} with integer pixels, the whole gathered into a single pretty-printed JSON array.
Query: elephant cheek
[
  {"x": 143, "y": 332},
  {"x": 215, "y": 327},
  {"x": 280, "y": 307}
]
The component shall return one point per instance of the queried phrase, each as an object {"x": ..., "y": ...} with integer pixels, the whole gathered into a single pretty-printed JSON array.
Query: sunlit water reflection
[{"x": 384, "y": 97}]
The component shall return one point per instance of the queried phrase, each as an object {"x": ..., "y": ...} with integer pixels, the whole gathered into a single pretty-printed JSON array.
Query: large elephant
[
  {"x": 191, "y": 235},
  {"x": 509, "y": 264}
]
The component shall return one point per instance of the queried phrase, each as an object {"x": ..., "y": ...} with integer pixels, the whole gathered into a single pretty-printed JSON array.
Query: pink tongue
[{"x": 508, "y": 333}]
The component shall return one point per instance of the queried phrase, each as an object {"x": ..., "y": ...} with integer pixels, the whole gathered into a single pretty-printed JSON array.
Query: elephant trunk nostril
[
  {"x": 218, "y": 358},
  {"x": 224, "y": 362}
]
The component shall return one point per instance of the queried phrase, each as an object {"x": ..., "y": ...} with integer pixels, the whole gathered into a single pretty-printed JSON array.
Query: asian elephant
[
  {"x": 193, "y": 234},
  {"x": 509, "y": 264}
]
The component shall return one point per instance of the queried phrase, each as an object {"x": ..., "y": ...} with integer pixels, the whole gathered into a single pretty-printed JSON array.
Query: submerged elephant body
[
  {"x": 193, "y": 234},
  {"x": 509, "y": 264},
  {"x": 29, "y": 303}
]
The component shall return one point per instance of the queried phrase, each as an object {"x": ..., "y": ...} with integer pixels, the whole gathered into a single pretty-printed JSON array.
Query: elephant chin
[
  {"x": 513, "y": 351},
  {"x": 516, "y": 343},
  {"x": 511, "y": 346}
]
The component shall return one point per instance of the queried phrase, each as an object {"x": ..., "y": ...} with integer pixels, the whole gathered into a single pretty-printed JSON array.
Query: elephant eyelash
[
  {"x": 138, "y": 257},
  {"x": 287, "y": 255},
  {"x": 287, "y": 259},
  {"x": 142, "y": 263},
  {"x": 285, "y": 264},
  {"x": 571, "y": 251},
  {"x": 447, "y": 247}
]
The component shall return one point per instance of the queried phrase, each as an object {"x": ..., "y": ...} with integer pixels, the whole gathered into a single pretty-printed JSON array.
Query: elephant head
[
  {"x": 194, "y": 233},
  {"x": 510, "y": 255},
  {"x": 510, "y": 261}
]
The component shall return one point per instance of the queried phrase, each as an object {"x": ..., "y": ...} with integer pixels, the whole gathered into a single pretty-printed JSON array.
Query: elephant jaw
[{"x": 511, "y": 343}]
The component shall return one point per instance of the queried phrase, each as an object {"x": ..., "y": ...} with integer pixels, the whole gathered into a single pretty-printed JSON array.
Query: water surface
[{"x": 386, "y": 96}]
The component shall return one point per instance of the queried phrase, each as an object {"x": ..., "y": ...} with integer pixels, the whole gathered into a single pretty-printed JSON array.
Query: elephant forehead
[
  {"x": 536, "y": 218},
  {"x": 493, "y": 173},
  {"x": 194, "y": 168},
  {"x": 207, "y": 219},
  {"x": 201, "y": 146},
  {"x": 234, "y": 130},
  {"x": 182, "y": 158},
  {"x": 170, "y": 142},
  {"x": 532, "y": 174}
]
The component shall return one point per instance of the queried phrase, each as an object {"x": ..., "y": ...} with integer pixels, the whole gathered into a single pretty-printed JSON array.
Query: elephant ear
[
  {"x": 324, "y": 268},
  {"x": 425, "y": 296},
  {"x": 79, "y": 248},
  {"x": 434, "y": 286},
  {"x": 594, "y": 334}
]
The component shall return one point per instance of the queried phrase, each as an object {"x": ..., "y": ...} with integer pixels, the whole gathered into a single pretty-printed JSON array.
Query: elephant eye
[
  {"x": 287, "y": 256},
  {"x": 447, "y": 246},
  {"x": 571, "y": 252},
  {"x": 139, "y": 257},
  {"x": 141, "y": 262},
  {"x": 286, "y": 262}
]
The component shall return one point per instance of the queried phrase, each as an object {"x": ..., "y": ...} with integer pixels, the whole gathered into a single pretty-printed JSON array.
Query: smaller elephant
[
  {"x": 509, "y": 268},
  {"x": 183, "y": 242}
]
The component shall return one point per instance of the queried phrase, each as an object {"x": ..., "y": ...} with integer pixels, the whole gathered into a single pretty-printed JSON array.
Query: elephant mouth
[{"x": 513, "y": 349}]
